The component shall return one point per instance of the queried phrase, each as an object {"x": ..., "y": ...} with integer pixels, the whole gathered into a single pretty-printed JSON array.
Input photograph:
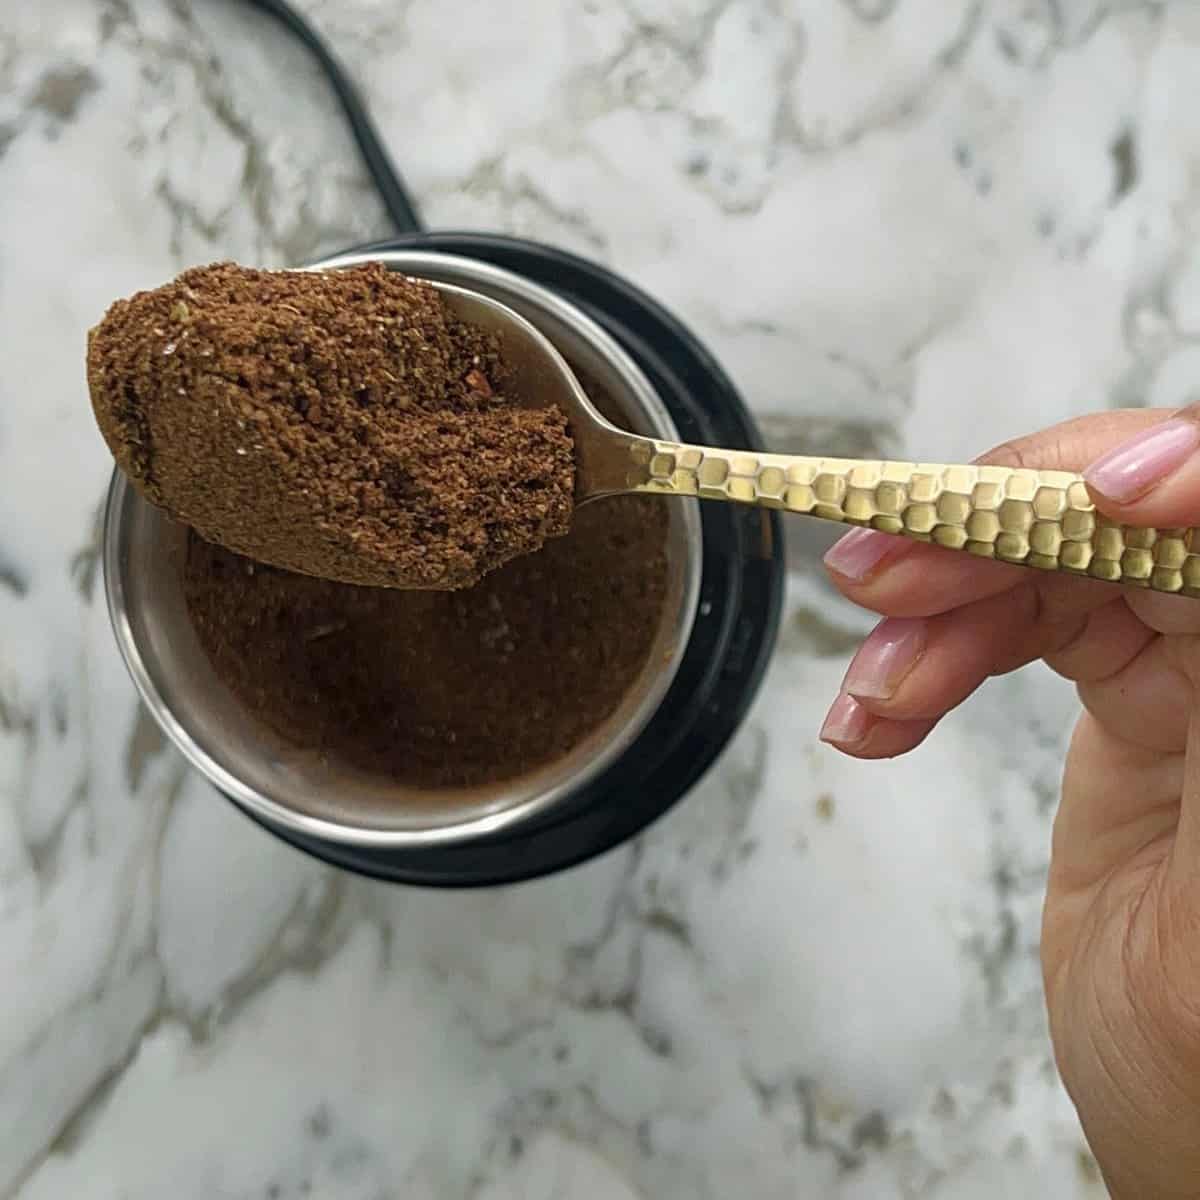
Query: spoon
[{"x": 1040, "y": 519}]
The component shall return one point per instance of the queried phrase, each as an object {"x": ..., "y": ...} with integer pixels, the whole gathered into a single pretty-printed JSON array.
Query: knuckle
[
  {"x": 1012, "y": 453},
  {"x": 1051, "y": 450}
]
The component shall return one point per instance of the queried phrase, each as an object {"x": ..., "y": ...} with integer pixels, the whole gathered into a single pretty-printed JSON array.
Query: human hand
[{"x": 1121, "y": 925}]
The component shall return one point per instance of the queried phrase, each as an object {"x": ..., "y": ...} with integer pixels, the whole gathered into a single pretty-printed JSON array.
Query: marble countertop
[{"x": 905, "y": 226}]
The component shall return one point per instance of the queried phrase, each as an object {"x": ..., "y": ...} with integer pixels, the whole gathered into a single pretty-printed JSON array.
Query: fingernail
[
  {"x": 847, "y": 723},
  {"x": 885, "y": 658},
  {"x": 862, "y": 552},
  {"x": 1134, "y": 468}
]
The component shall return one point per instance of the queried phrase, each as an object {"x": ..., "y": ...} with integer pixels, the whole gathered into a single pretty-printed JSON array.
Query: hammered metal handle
[{"x": 1042, "y": 519}]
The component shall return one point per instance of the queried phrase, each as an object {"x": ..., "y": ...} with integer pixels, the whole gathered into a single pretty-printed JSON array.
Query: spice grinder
[{"x": 716, "y": 625}]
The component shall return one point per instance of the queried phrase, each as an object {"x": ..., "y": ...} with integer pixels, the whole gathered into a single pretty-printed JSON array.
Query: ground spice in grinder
[{"x": 444, "y": 689}]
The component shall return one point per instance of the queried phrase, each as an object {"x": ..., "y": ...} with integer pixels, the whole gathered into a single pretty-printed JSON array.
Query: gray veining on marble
[{"x": 911, "y": 226}]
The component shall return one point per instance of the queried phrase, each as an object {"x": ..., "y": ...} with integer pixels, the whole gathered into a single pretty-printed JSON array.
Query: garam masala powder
[{"x": 342, "y": 423}]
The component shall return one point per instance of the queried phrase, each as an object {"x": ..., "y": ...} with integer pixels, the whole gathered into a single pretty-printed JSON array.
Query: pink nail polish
[
  {"x": 862, "y": 552},
  {"x": 885, "y": 658},
  {"x": 847, "y": 724},
  {"x": 1134, "y": 468}
]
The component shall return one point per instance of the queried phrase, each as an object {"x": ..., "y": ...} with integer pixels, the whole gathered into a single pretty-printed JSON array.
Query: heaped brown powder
[
  {"x": 443, "y": 689},
  {"x": 341, "y": 424}
]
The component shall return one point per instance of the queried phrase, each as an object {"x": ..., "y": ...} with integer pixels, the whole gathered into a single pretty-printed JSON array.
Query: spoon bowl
[{"x": 542, "y": 378}]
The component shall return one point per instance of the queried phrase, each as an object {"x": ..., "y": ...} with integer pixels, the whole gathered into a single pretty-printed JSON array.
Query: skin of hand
[{"x": 1121, "y": 925}]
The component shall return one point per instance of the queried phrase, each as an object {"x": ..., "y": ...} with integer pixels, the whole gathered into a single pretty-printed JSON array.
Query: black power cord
[{"x": 395, "y": 196}]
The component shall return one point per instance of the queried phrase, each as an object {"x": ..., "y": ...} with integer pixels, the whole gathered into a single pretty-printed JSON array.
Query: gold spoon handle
[{"x": 1042, "y": 519}]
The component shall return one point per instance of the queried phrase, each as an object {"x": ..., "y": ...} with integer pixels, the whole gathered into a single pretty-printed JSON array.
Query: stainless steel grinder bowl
[{"x": 300, "y": 792}]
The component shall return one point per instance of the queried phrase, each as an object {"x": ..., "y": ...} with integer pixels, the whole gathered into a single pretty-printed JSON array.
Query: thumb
[{"x": 1153, "y": 477}]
